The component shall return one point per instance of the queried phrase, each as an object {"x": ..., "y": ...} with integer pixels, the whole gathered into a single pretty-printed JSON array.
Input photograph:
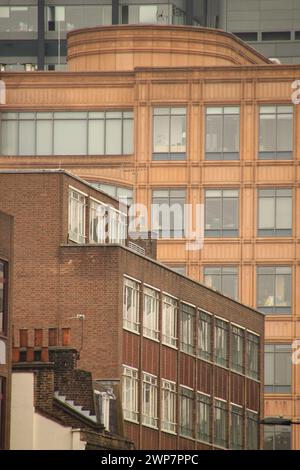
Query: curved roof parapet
[{"x": 126, "y": 47}]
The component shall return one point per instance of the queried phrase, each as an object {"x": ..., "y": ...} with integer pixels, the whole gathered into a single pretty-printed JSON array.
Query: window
[
  {"x": 125, "y": 195},
  {"x": 204, "y": 335},
  {"x": 178, "y": 269},
  {"x": 187, "y": 328},
  {"x": 275, "y": 212},
  {"x": 221, "y": 212},
  {"x": 169, "y": 321},
  {"x": 274, "y": 289},
  {"x": 221, "y": 342},
  {"x": 168, "y": 406},
  {"x": 130, "y": 394},
  {"x": 151, "y": 313},
  {"x": 203, "y": 417},
  {"x": 67, "y": 133},
  {"x": 276, "y": 132},
  {"x": 20, "y": 19},
  {"x": 168, "y": 212},
  {"x": 220, "y": 423},
  {"x": 237, "y": 427},
  {"x": 278, "y": 368},
  {"x": 131, "y": 305},
  {"x": 252, "y": 430},
  {"x": 222, "y": 133},
  {"x": 186, "y": 412},
  {"x": 77, "y": 203},
  {"x": 97, "y": 222},
  {"x": 3, "y": 296},
  {"x": 117, "y": 226},
  {"x": 276, "y": 36},
  {"x": 169, "y": 134},
  {"x": 237, "y": 349},
  {"x": 134, "y": 14},
  {"x": 277, "y": 437},
  {"x": 223, "y": 279},
  {"x": 66, "y": 18},
  {"x": 252, "y": 362},
  {"x": 247, "y": 36},
  {"x": 149, "y": 400}
]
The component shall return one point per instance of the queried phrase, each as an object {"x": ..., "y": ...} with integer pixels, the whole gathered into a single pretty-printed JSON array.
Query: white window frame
[
  {"x": 169, "y": 320},
  {"x": 149, "y": 417},
  {"x": 98, "y": 211},
  {"x": 168, "y": 406},
  {"x": 187, "y": 334},
  {"x": 131, "y": 314},
  {"x": 117, "y": 223},
  {"x": 77, "y": 208},
  {"x": 151, "y": 321},
  {"x": 130, "y": 395}
]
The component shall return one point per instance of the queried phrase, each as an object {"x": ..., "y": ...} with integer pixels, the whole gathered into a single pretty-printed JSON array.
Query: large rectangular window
[
  {"x": 149, "y": 400},
  {"x": 223, "y": 279},
  {"x": 221, "y": 212},
  {"x": 77, "y": 205},
  {"x": 276, "y": 132},
  {"x": 3, "y": 296},
  {"x": 167, "y": 212},
  {"x": 221, "y": 342},
  {"x": 169, "y": 134},
  {"x": 275, "y": 212},
  {"x": 278, "y": 368},
  {"x": 203, "y": 430},
  {"x": 18, "y": 19},
  {"x": 131, "y": 291},
  {"x": 97, "y": 222},
  {"x": 222, "y": 133},
  {"x": 237, "y": 427},
  {"x": 220, "y": 423},
  {"x": 252, "y": 430},
  {"x": 187, "y": 328},
  {"x": 277, "y": 438},
  {"x": 274, "y": 289},
  {"x": 169, "y": 320},
  {"x": 130, "y": 393},
  {"x": 168, "y": 406},
  {"x": 204, "y": 337},
  {"x": 151, "y": 313},
  {"x": 117, "y": 226},
  {"x": 67, "y": 133},
  {"x": 252, "y": 359},
  {"x": 68, "y": 17},
  {"x": 186, "y": 412},
  {"x": 237, "y": 348}
]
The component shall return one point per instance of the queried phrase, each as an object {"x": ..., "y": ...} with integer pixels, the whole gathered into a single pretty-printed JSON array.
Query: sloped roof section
[{"x": 126, "y": 47}]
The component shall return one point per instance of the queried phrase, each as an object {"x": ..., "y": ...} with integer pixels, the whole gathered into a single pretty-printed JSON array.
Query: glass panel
[
  {"x": 266, "y": 213},
  {"x": 231, "y": 133},
  {"x": 284, "y": 132},
  {"x": 266, "y": 290},
  {"x": 26, "y": 137},
  {"x": 284, "y": 213},
  {"x": 113, "y": 137},
  {"x": 161, "y": 134},
  {"x": 178, "y": 134},
  {"x": 283, "y": 290},
  {"x": 44, "y": 137},
  {"x": 148, "y": 14},
  {"x": 269, "y": 368},
  {"x": 70, "y": 137},
  {"x": 213, "y": 211},
  {"x": 214, "y": 133},
  {"x": 9, "y": 137},
  {"x": 283, "y": 369},
  {"x": 267, "y": 138},
  {"x": 230, "y": 213},
  {"x": 127, "y": 137},
  {"x": 229, "y": 285},
  {"x": 96, "y": 137}
]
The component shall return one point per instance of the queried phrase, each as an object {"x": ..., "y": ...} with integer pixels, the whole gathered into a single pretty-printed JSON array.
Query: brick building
[
  {"x": 6, "y": 227},
  {"x": 186, "y": 360}
]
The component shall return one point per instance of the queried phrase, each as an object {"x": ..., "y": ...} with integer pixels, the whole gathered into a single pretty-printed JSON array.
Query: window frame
[
  {"x": 80, "y": 208},
  {"x": 151, "y": 332},
  {"x": 222, "y": 276},
  {"x": 173, "y": 232},
  {"x": 131, "y": 322},
  {"x": 274, "y": 232},
  {"x": 169, "y": 323},
  {"x": 169, "y": 397},
  {"x": 274, "y": 349},
  {"x": 170, "y": 155},
  {"x": 222, "y": 405},
  {"x": 223, "y": 325},
  {"x": 202, "y": 398},
  {"x": 187, "y": 404},
  {"x": 239, "y": 332},
  {"x": 227, "y": 156},
  {"x": 273, "y": 308},
  {"x": 206, "y": 353},
  {"x": 251, "y": 340},
  {"x": 275, "y": 154},
  {"x": 151, "y": 419},
  {"x": 130, "y": 413},
  {"x": 222, "y": 232},
  {"x": 187, "y": 330},
  {"x": 236, "y": 427}
]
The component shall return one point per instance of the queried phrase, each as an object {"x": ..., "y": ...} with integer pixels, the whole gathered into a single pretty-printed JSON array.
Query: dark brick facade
[{"x": 57, "y": 283}]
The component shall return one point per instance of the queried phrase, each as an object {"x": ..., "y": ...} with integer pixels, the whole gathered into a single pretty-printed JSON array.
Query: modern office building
[
  {"x": 173, "y": 115},
  {"x": 187, "y": 361},
  {"x": 6, "y": 227}
]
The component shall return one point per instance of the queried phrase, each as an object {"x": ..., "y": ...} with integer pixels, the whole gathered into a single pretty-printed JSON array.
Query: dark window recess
[
  {"x": 297, "y": 35},
  {"x": 37, "y": 356},
  {"x": 276, "y": 36},
  {"x": 23, "y": 356},
  {"x": 247, "y": 36}
]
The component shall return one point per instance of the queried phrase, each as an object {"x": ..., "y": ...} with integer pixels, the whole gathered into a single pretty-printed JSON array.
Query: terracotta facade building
[
  {"x": 179, "y": 114},
  {"x": 187, "y": 362}
]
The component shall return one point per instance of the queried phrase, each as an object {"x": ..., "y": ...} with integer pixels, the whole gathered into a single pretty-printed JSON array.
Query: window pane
[
  {"x": 26, "y": 137},
  {"x": 178, "y": 134},
  {"x": 96, "y": 137},
  {"x": 44, "y": 137},
  {"x": 283, "y": 290},
  {"x": 230, "y": 213},
  {"x": 284, "y": 132},
  {"x": 213, "y": 210},
  {"x": 283, "y": 369},
  {"x": 266, "y": 213},
  {"x": 231, "y": 133},
  {"x": 161, "y": 134},
  {"x": 113, "y": 137},
  {"x": 284, "y": 213},
  {"x": 229, "y": 285},
  {"x": 70, "y": 137},
  {"x": 9, "y": 137},
  {"x": 266, "y": 290},
  {"x": 267, "y": 141},
  {"x": 214, "y": 133},
  {"x": 127, "y": 136}
]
